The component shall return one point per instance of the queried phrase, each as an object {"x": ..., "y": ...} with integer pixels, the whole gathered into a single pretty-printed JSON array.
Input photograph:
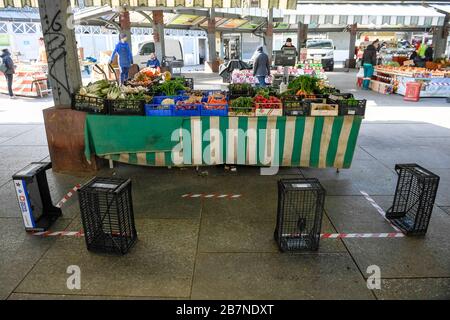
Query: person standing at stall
[
  {"x": 125, "y": 57},
  {"x": 7, "y": 67},
  {"x": 369, "y": 60},
  {"x": 153, "y": 62},
  {"x": 261, "y": 67}
]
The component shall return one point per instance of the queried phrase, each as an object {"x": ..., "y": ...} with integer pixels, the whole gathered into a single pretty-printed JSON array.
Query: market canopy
[
  {"x": 365, "y": 15},
  {"x": 263, "y": 4}
]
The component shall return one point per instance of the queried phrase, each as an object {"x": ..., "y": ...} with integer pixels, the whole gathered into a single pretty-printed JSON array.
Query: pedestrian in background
[
  {"x": 261, "y": 67},
  {"x": 7, "y": 67},
  {"x": 369, "y": 61},
  {"x": 125, "y": 57}
]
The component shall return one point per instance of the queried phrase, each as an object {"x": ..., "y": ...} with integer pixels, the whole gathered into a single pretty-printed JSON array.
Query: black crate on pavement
[
  {"x": 126, "y": 107},
  {"x": 89, "y": 104},
  {"x": 352, "y": 107},
  {"x": 300, "y": 211},
  {"x": 107, "y": 213},
  {"x": 414, "y": 199}
]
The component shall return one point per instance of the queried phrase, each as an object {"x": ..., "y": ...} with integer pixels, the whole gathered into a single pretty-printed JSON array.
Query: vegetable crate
[
  {"x": 185, "y": 109},
  {"x": 268, "y": 109},
  {"x": 294, "y": 106},
  {"x": 241, "y": 90},
  {"x": 158, "y": 110},
  {"x": 414, "y": 199},
  {"x": 107, "y": 214},
  {"x": 320, "y": 109},
  {"x": 241, "y": 111},
  {"x": 89, "y": 104},
  {"x": 126, "y": 107},
  {"x": 189, "y": 83},
  {"x": 300, "y": 211},
  {"x": 215, "y": 104},
  {"x": 352, "y": 107},
  {"x": 340, "y": 96}
]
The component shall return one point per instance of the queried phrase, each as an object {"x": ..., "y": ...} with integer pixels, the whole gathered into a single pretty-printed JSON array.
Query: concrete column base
[
  {"x": 65, "y": 136},
  {"x": 212, "y": 67}
]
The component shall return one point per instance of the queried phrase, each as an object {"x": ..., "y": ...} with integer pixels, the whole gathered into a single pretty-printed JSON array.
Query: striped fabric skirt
[{"x": 316, "y": 142}]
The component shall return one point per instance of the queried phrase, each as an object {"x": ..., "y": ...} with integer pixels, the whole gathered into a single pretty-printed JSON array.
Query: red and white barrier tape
[
  {"x": 353, "y": 235},
  {"x": 45, "y": 234},
  {"x": 69, "y": 195},
  {"x": 379, "y": 209},
  {"x": 211, "y": 196}
]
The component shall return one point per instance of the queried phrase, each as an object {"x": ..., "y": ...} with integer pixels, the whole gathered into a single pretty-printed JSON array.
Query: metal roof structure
[{"x": 145, "y": 4}]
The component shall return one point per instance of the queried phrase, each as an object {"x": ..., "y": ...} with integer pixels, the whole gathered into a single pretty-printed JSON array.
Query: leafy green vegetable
[
  {"x": 306, "y": 84},
  {"x": 170, "y": 88},
  {"x": 242, "y": 105}
]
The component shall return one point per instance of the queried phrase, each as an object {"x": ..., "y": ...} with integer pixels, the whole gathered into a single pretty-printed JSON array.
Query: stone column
[
  {"x": 62, "y": 54},
  {"x": 351, "y": 54},
  {"x": 268, "y": 37},
  {"x": 302, "y": 36},
  {"x": 125, "y": 25},
  {"x": 212, "y": 63},
  {"x": 440, "y": 35},
  {"x": 158, "y": 34}
]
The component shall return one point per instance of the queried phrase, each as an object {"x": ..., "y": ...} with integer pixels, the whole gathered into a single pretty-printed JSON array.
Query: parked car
[
  {"x": 174, "y": 53},
  {"x": 321, "y": 50}
]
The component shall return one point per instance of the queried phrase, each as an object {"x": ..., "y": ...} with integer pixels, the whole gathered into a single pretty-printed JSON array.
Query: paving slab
[
  {"x": 446, "y": 209},
  {"x": 14, "y": 130},
  {"x": 223, "y": 231},
  {"x": 369, "y": 175},
  {"x": 19, "y": 252},
  {"x": 35, "y": 137},
  {"x": 160, "y": 265},
  {"x": 230, "y": 276},
  {"x": 427, "y": 156},
  {"x": 15, "y": 158},
  {"x": 48, "y": 297},
  {"x": 397, "y": 257},
  {"x": 414, "y": 289}
]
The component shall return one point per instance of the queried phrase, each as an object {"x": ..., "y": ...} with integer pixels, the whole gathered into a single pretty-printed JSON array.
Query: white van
[
  {"x": 322, "y": 50},
  {"x": 174, "y": 53}
]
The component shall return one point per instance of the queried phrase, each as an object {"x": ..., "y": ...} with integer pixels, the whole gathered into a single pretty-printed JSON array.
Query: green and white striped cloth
[{"x": 316, "y": 142}]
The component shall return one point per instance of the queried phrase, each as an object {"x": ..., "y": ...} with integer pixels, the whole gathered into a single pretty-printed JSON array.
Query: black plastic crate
[
  {"x": 340, "y": 96},
  {"x": 189, "y": 83},
  {"x": 294, "y": 106},
  {"x": 235, "y": 92},
  {"x": 300, "y": 211},
  {"x": 414, "y": 199},
  {"x": 89, "y": 104},
  {"x": 352, "y": 107},
  {"x": 126, "y": 107},
  {"x": 107, "y": 213}
]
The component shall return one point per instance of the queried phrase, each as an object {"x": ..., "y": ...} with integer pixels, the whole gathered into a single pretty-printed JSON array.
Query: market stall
[
  {"x": 434, "y": 83},
  {"x": 29, "y": 80},
  {"x": 155, "y": 120}
]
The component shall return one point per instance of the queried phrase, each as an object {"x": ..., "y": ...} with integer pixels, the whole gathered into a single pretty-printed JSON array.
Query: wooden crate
[{"x": 316, "y": 110}]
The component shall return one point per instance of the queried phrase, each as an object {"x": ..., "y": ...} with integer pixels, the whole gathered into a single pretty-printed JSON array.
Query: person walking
[
  {"x": 261, "y": 67},
  {"x": 369, "y": 60},
  {"x": 125, "y": 57},
  {"x": 7, "y": 68}
]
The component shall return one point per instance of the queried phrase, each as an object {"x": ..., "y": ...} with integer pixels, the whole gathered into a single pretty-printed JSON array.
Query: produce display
[
  {"x": 146, "y": 77},
  {"x": 169, "y": 97}
]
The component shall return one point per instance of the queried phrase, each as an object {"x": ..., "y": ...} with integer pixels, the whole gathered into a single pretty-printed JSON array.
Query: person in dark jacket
[
  {"x": 9, "y": 70},
  {"x": 261, "y": 67},
  {"x": 369, "y": 60},
  {"x": 429, "y": 53},
  {"x": 125, "y": 57}
]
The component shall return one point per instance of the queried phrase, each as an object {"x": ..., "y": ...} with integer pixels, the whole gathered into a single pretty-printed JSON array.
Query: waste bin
[
  {"x": 412, "y": 92},
  {"x": 33, "y": 195}
]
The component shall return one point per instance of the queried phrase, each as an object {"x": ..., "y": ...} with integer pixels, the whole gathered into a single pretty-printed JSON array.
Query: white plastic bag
[{"x": 360, "y": 73}]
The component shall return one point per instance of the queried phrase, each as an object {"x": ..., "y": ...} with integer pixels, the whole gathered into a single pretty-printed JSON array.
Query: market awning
[
  {"x": 264, "y": 4},
  {"x": 376, "y": 15}
]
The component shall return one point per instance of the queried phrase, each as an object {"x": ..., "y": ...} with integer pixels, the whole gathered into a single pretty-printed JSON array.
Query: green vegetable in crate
[
  {"x": 240, "y": 87},
  {"x": 242, "y": 105},
  {"x": 171, "y": 88},
  {"x": 352, "y": 102},
  {"x": 303, "y": 85}
]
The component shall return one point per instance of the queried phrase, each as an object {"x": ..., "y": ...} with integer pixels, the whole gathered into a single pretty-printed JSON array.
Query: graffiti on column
[{"x": 56, "y": 51}]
